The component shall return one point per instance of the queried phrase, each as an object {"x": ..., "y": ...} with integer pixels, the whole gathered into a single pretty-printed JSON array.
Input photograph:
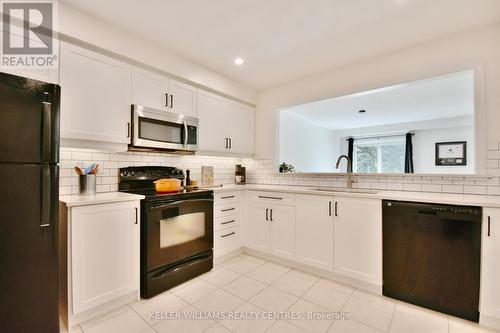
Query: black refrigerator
[{"x": 29, "y": 156}]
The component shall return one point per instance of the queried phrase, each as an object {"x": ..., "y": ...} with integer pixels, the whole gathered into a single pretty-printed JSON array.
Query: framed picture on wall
[{"x": 451, "y": 153}]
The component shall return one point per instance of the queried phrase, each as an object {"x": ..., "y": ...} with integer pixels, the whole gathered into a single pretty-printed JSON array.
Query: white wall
[
  {"x": 305, "y": 145},
  {"x": 424, "y": 149},
  {"x": 82, "y": 27},
  {"x": 446, "y": 55}
]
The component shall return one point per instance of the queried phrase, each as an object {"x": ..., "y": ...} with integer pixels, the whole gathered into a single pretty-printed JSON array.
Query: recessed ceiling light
[{"x": 239, "y": 61}]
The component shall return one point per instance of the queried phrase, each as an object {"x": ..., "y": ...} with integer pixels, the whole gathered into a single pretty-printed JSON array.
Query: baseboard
[
  {"x": 313, "y": 270},
  {"x": 227, "y": 256},
  {"x": 491, "y": 322}
]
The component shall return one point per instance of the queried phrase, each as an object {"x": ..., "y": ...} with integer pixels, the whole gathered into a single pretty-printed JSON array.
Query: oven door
[
  {"x": 178, "y": 230},
  {"x": 162, "y": 129}
]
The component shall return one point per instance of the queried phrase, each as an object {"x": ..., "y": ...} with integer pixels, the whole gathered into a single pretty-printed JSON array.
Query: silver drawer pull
[
  {"x": 227, "y": 235},
  {"x": 227, "y": 209},
  {"x": 232, "y": 221},
  {"x": 228, "y": 197},
  {"x": 265, "y": 197}
]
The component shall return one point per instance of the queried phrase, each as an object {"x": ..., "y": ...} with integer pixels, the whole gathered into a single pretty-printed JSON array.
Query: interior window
[{"x": 379, "y": 155}]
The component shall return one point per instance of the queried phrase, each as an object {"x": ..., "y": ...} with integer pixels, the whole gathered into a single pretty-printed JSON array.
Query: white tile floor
[{"x": 250, "y": 285}]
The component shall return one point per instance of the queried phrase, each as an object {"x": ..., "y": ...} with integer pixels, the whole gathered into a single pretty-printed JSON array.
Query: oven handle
[
  {"x": 183, "y": 266},
  {"x": 176, "y": 203}
]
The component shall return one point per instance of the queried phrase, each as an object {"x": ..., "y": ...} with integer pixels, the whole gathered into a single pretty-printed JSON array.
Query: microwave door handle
[{"x": 185, "y": 135}]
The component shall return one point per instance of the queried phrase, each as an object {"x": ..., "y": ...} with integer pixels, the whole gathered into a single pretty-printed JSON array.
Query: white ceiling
[
  {"x": 281, "y": 40},
  {"x": 437, "y": 98}
]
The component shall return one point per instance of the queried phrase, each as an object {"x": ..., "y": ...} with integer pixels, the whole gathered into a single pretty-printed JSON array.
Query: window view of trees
[{"x": 379, "y": 157}]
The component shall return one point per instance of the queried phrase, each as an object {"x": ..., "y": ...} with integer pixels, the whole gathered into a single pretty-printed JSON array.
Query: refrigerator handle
[
  {"x": 46, "y": 129},
  {"x": 46, "y": 197}
]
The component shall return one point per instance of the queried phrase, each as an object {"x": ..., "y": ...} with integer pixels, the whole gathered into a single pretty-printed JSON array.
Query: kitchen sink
[{"x": 345, "y": 190}]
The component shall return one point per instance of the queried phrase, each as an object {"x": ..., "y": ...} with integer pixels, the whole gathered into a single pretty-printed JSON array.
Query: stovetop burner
[{"x": 140, "y": 180}]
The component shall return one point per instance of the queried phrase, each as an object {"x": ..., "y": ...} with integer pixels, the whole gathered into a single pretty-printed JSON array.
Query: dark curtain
[
  {"x": 350, "y": 151},
  {"x": 409, "y": 154}
]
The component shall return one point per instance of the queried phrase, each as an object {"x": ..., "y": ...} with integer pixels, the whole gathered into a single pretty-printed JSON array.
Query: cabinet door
[
  {"x": 240, "y": 123},
  {"x": 212, "y": 111},
  {"x": 183, "y": 98},
  {"x": 358, "y": 239},
  {"x": 149, "y": 89},
  {"x": 314, "y": 231},
  {"x": 282, "y": 241},
  {"x": 258, "y": 227},
  {"x": 95, "y": 96},
  {"x": 490, "y": 275},
  {"x": 104, "y": 253}
]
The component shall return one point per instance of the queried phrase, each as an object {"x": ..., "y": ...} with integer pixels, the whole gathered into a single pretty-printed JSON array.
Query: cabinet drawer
[
  {"x": 226, "y": 222},
  {"x": 272, "y": 197},
  {"x": 227, "y": 240},
  {"x": 227, "y": 209},
  {"x": 226, "y": 197}
]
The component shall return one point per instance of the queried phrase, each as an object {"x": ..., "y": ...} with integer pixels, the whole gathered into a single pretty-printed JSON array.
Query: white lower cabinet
[
  {"x": 103, "y": 258},
  {"x": 490, "y": 268},
  {"x": 358, "y": 239},
  {"x": 314, "y": 241},
  {"x": 271, "y": 226},
  {"x": 227, "y": 231}
]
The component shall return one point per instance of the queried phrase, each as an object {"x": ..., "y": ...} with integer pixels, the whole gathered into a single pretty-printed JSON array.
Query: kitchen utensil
[
  {"x": 78, "y": 171},
  {"x": 167, "y": 185}
]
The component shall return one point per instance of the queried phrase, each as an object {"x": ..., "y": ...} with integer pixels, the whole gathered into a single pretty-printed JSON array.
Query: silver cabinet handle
[
  {"x": 136, "y": 215},
  {"x": 226, "y": 143},
  {"x": 171, "y": 101},
  {"x": 227, "y": 235},
  {"x": 336, "y": 208},
  {"x": 271, "y": 214},
  {"x": 267, "y": 214},
  {"x": 329, "y": 208},
  {"x": 228, "y": 197},
  {"x": 230, "y": 143},
  {"x": 227, "y": 209},
  {"x": 166, "y": 100},
  {"x": 228, "y": 222},
  {"x": 265, "y": 197}
]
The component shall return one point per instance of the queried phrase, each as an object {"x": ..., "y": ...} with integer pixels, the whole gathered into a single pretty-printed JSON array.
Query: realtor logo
[{"x": 28, "y": 35}]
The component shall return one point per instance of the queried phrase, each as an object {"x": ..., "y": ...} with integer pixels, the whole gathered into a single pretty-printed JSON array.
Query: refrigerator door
[
  {"x": 28, "y": 248},
  {"x": 29, "y": 120}
]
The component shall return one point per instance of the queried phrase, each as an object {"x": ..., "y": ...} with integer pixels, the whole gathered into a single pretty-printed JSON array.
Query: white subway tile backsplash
[{"x": 261, "y": 171}]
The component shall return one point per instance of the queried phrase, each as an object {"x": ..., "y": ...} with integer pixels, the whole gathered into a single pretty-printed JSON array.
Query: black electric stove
[{"x": 176, "y": 229}]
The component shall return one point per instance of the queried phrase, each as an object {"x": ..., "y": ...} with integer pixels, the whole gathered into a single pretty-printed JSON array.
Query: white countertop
[
  {"x": 99, "y": 198},
  {"x": 442, "y": 198}
]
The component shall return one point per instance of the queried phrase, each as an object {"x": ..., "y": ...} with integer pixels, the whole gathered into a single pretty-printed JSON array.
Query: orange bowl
[{"x": 167, "y": 185}]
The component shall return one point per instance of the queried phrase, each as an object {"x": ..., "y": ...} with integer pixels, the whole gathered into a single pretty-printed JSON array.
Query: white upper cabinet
[
  {"x": 95, "y": 96},
  {"x": 159, "y": 92},
  {"x": 212, "y": 114},
  {"x": 182, "y": 98},
  {"x": 358, "y": 239},
  {"x": 240, "y": 120},
  {"x": 315, "y": 231},
  {"x": 490, "y": 266},
  {"x": 149, "y": 89},
  {"x": 225, "y": 125}
]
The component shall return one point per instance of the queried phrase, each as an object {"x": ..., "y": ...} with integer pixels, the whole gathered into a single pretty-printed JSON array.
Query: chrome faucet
[{"x": 350, "y": 181}]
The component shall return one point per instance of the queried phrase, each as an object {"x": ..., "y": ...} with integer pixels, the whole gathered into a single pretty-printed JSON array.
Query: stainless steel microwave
[{"x": 163, "y": 130}]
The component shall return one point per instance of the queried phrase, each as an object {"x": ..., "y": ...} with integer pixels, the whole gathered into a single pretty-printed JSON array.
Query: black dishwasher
[{"x": 432, "y": 255}]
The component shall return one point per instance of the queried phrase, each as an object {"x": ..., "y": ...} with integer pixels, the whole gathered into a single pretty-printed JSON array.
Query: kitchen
[{"x": 264, "y": 222}]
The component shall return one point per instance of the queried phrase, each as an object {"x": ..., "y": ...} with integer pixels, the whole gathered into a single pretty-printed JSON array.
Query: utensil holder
[{"x": 87, "y": 185}]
